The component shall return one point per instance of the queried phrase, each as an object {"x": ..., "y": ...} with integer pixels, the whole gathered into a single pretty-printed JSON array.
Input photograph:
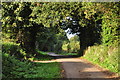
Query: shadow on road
[
  {"x": 80, "y": 69},
  {"x": 67, "y": 56},
  {"x": 57, "y": 56}
]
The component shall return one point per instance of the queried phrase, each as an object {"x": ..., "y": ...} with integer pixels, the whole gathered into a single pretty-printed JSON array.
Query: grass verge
[
  {"x": 105, "y": 56},
  {"x": 14, "y": 68},
  {"x": 42, "y": 56},
  {"x": 68, "y": 54}
]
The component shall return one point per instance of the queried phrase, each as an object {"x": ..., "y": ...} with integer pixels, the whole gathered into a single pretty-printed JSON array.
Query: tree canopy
[{"x": 93, "y": 22}]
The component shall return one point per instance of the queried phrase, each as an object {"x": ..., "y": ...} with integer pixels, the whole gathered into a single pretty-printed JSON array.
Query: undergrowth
[
  {"x": 13, "y": 68},
  {"x": 42, "y": 56},
  {"x": 14, "y": 64},
  {"x": 105, "y": 56},
  {"x": 68, "y": 54}
]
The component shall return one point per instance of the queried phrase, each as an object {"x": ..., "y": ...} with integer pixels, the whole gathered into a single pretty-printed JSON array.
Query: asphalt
[{"x": 80, "y": 69}]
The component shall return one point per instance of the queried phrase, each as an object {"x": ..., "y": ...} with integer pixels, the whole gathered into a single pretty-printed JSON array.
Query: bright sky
[{"x": 69, "y": 35}]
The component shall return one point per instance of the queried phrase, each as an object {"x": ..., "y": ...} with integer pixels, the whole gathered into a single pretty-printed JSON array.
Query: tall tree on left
[{"x": 16, "y": 21}]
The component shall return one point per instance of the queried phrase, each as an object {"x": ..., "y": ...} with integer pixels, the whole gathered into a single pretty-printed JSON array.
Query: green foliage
[
  {"x": 13, "y": 49},
  {"x": 110, "y": 29},
  {"x": 51, "y": 40},
  {"x": 108, "y": 16},
  {"x": 17, "y": 24},
  {"x": 68, "y": 54},
  {"x": 42, "y": 56},
  {"x": 86, "y": 18},
  {"x": 13, "y": 68},
  {"x": 41, "y": 52},
  {"x": 28, "y": 23},
  {"x": 105, "y": 56},
  {"x": 72, "y": 46}
]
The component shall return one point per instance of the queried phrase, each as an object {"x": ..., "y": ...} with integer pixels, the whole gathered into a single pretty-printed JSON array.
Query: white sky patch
[{"x": 69, "y": 35}]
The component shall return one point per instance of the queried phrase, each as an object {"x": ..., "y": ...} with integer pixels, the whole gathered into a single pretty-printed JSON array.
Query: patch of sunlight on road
[{"x": 62, "y": 60}]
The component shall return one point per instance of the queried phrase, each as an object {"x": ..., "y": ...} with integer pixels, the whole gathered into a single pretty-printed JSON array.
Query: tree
[
  {"x": 87, "y": 19},
  {"x": 92, "y": 22},
  {"x": 16, "y": 19}
]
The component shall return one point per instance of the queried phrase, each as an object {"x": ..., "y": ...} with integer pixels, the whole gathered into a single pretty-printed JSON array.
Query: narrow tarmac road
[
  {"x": 80, "y": 68},
  {"x": 74, "y": 68}
]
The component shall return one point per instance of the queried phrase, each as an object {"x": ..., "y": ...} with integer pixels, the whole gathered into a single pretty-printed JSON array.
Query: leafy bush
[
  {"x": 42, "y": 56},
  {"x": 11, "y": 65},
  {"x": 105, "y": 56},
  {"x": 73, "y": 46},
  {"x": 13, "y": 49},
  {"x": 68, "y": 54},
  {"x": 13, "y": 68},
  {"x": 41, "y": 52}
]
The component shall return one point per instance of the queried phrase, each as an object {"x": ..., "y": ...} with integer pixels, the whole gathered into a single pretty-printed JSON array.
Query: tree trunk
[
  {"x": 27, "y": 38},
  {"x": 83, "y": 41}
]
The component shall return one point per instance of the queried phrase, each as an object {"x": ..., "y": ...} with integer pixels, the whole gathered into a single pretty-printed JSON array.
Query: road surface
[{"x": 81, "y": 68}]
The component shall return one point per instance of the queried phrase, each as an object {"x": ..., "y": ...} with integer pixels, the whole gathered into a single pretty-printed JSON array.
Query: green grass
[
  {"x": 44, "y": 70},
  {"x": 14, "y": 68},
  {"x": 16, "y": 65},
  {"x": 68, "y": 54},
  {"x": 42, "y": 56},
  {"x": 105, "y": 56},
  {"x": 45, "y": 53},
  {"x": 41, "y": 52}
]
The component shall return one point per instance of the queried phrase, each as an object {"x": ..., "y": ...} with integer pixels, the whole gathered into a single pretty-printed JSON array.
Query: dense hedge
[
  {"x": 11, "y": 67},
  {"x": 14, "y": 64},
  {"x": 14, "y": 68},
  {"x": 13, "y": 49}
]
